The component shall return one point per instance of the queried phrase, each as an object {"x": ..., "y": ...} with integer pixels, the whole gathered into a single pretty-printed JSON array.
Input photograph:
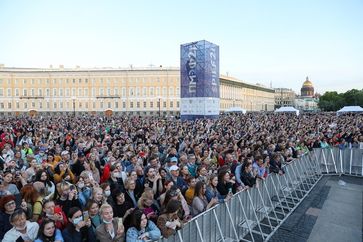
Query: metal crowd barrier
[
  {"x": 340, "y": 161},
  {"x": 255, "y": 214}
]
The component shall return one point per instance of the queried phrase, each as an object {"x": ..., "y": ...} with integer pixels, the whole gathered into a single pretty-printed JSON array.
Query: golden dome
[{"x": 307, "y": 83}]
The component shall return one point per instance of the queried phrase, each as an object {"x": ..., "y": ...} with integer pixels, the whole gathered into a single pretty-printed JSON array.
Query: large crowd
[{"x": 123, "y": 178}]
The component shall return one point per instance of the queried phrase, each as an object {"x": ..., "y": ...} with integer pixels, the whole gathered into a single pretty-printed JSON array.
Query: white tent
[
  {"x": 236, "y": 110},
  {"x": 287, "y": 109},
  {"x": 350, "y": 109}
]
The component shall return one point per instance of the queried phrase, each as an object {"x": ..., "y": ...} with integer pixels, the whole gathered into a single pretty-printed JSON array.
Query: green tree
[{"x": 332, "y": 101}]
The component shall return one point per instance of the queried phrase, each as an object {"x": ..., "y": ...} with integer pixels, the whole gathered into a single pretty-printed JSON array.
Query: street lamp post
[
  {"x": 159, "y": 107},
  {"x": 74, "y": 106}
]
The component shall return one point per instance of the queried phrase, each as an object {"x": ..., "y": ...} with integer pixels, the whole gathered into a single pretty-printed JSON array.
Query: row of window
[
  {"x": 81, "y": 105},
  {"x": 132, "y": 92},
  {"x": 243, "y": 93},
  {"x": 93, "y": 81}
]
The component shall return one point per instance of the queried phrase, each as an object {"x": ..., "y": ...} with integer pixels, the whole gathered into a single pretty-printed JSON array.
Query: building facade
[
  {"x": 136, "y": 91},
  {"x": 284, "y": 97},
  {"x": 237, "y": 93}
]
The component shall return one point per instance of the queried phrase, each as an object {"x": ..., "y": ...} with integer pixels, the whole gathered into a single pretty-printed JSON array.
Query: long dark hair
[
  {"x": 71, "y": 226},
  {"x": 38, "y": 175},
  {"x": 41, "y": 235},
  {"x": 136, "y": 219},
  {"x": 198, "y": 188},
  {"x": 173, "y": 206}
]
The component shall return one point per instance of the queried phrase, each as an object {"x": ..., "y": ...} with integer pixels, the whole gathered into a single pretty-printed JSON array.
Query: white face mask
[
  {"x": 106, "y": 222},
  {"x": 77, "y": 220},
  {"x": 107, "y": 193},
  {"x": 117, "y": 174},
  {"x": 20, "y": 228}
]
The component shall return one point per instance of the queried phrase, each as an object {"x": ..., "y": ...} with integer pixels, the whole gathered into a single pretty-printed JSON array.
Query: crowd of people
[{"x": 123, "y": 178}]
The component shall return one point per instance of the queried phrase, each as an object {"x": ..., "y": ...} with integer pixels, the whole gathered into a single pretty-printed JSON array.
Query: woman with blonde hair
[
  {"x": 68, "y": 196},
  {"x": 111, "y": 229},
  {"x": 90, "y": 166},
  {"x": 146, "y": 204},
  {"x": 98, "y": 196}
]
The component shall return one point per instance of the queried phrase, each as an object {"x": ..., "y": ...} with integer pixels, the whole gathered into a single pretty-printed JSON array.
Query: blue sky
[{"x": 278, "y": 42}]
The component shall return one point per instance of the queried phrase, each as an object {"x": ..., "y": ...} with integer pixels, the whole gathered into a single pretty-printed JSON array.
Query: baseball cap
[
  {"x": 174, "y": 168},
  {"x": 64, "y": 152},
  {"x": 173, "y": 159},
  {"x": 81, "y": 154}
]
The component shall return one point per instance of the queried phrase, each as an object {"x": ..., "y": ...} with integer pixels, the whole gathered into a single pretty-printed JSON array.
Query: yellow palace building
[{"x": 135, "y": 91}]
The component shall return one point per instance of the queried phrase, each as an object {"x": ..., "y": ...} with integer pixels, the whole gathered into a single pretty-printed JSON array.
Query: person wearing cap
[
  {"x": 178, "y": 181},
  {"x": 65, "y": 156},
  {"x": 171, "y": 162}
]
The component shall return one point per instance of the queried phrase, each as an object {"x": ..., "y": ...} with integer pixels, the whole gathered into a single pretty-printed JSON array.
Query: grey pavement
[
  {"x": 330, "y": 213},
  {"x": 340, "y": 218}
]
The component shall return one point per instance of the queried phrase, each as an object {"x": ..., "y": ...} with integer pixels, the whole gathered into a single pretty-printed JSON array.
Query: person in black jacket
[
  {"x": 78, "y": 230},
  {"x": 224, "y": 185},
  {"x": 275, "y": 164},
  {"x": 68, "y": 196},
  {"x": 248, "y": 177}
]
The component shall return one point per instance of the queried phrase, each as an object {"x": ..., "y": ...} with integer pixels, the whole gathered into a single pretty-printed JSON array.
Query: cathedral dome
[
  {"x": 307, "y": 89},
  {"x": 308, "y": 83}
]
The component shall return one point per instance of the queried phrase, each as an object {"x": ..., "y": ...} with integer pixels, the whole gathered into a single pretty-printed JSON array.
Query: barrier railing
[
  {"x": 255, "y": 214},
  {"x": 340, "y": 161}
]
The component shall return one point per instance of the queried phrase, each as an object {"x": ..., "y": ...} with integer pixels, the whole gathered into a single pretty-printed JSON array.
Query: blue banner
[{"x": 199, "y": 73}]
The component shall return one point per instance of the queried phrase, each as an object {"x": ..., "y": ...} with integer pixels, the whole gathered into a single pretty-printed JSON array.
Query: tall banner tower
[{"x": 199, "y": 80}]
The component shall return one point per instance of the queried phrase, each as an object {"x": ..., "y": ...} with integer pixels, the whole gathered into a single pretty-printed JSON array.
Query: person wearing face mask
[
  {"x": 77, "y": 229},
  {"x": 106, "y": 192},
  {"x": 111, "y": 229},
  {"x": 116, "y": 179},
  {"x": 22, "y": 230}
]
